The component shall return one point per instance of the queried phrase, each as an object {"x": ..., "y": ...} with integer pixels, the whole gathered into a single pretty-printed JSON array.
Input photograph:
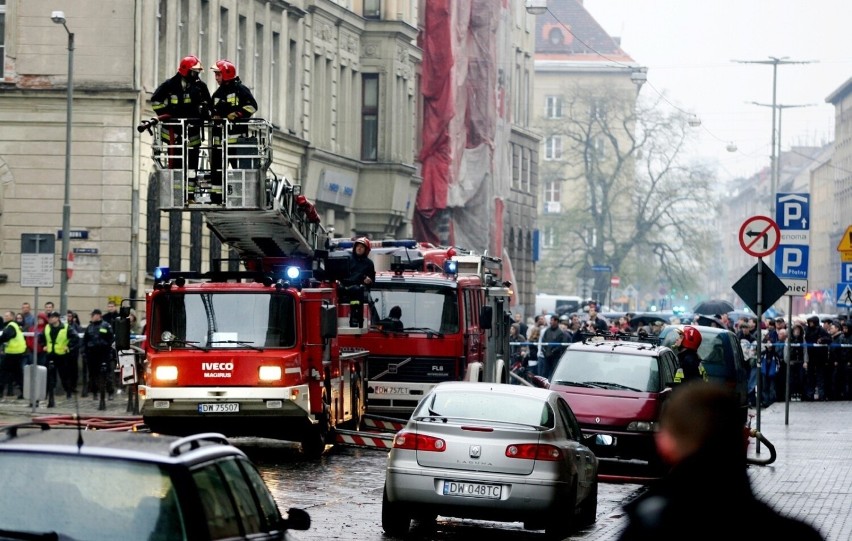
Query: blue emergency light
[
  {"x": 161, "y": 273},
  {"x": 451, "y": 267}
]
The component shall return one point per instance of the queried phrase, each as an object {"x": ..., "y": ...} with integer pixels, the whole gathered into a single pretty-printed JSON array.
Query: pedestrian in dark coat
[
  {"x": 817, "y": 340},
  {"x": 97, "y": 352},
  {"x": 701, "y": 436}
]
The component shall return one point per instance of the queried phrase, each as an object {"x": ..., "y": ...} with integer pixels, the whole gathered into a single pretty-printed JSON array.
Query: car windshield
[
  {"x": 608, "y": 370},
  {"x": 423, "y": 307},
  {"x": 224, "y": 320},
  {"x": 87, "y": 498},
  {"x": 488, "y": 407}
]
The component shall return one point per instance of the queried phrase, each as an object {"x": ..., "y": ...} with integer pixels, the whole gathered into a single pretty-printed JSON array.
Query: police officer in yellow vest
[
  {"x": 61, "y": 344},
  {"x": 11, "y": 368}
]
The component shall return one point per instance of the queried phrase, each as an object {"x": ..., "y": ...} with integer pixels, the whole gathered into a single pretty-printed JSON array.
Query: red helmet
[
  {"x": 365, "y": 241},
  {"x": 691, "y": 337},
  {"x": 189, "y": 63},
  {"x": 227, "y": 68}
]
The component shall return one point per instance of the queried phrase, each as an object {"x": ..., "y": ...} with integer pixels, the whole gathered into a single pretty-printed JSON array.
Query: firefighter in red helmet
[
  {"x": 362, "y": 272},
  {"x": 686, "y": 345},
  {"x": 234, "y": 102},
  {"x": 183, "y": 96}
]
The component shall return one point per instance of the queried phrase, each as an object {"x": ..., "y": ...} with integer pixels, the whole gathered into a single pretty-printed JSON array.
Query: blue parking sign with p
[
  {"x": 792, "y": 211},
  {"x": 791, "y": 261}
]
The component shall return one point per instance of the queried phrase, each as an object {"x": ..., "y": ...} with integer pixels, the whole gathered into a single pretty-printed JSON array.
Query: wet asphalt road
[{"x": 342, "y": 491}]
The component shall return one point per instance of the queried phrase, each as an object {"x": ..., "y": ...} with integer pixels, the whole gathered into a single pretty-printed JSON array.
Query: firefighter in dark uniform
[
  {"x": 183, "y": 96},
  {"x": 11, "y": 371},
  {"x": 232, "y": 102},
  {"x": 61, "y": 344},
  {"x": 97, "y": 352}
]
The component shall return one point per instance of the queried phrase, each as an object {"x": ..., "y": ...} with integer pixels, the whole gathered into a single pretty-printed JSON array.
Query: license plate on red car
[{"x": 472, "y": 490}]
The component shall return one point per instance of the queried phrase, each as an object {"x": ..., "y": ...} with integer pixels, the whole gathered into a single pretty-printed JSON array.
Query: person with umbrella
[{"x": 713, "y": 306}]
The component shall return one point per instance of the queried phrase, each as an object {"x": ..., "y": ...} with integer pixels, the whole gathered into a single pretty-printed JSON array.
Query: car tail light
[
  {"x": 534, "y": 451},
  {"x": 418, "y": 442}
]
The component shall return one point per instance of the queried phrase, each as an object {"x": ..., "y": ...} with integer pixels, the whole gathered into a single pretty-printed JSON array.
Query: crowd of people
[
  {"x": 75, "y": 355},
  {"x": 819, "y": 353}
]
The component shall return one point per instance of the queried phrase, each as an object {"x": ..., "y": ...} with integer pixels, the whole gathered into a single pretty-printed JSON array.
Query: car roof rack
[
  {"x": 195, "y": 441},
  {"x": 12, "y": 430}
]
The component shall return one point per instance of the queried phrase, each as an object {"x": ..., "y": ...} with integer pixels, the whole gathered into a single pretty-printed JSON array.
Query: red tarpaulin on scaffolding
[{"x": 466, "y": 77}]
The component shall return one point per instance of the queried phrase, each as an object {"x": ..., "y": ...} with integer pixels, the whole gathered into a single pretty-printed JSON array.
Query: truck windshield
[
  {"x": 224, "y": 320},
  {"x": 422, "y": 307}
]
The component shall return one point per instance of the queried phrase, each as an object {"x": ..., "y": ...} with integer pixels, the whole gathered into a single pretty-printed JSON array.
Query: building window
[
  {"x": 549, "y": 237},
  {"x": 597, "y": 110},
  {"x": 242, "y": 44},
  {"x": 556, "y": 37},
  {"x": 2, "y": 37},
  {"x": 599, "y": 144},
  {"x": 553, "y": 107},
  {"x": 372, "y": 9},
  {"x": 370, "y": 117},
  {"x": 552, "y": 192},
  {"x": 223, "y": 34},
  {"x": 163, "y": 63},
  {"x": 553, "y": 148}
]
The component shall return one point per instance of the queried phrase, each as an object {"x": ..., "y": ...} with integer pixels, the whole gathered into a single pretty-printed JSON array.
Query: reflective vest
[
  {"x": 61, "y": 345},
  {"x": 17, "y": 344}
]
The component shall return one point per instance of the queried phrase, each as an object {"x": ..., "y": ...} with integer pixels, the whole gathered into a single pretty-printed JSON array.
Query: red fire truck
[
  {"x": 255, "y": 352},
  {"x": 455, "y": 321}
]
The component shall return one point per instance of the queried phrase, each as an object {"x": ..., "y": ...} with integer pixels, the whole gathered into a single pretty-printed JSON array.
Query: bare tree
[{"x": 631, "y": 201}]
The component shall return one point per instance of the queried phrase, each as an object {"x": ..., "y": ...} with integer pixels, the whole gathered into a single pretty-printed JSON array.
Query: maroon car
[{"x": 616, "y": 389}]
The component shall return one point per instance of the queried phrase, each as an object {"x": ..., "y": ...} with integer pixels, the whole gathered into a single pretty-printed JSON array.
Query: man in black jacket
[
  {"x": 97, "y": 353},
  {"x": 817, "y": 340},
  {"x": 701, "y": 436},
  {"x": 183, "y": 96},
  {"x": 232, "y": 102}
]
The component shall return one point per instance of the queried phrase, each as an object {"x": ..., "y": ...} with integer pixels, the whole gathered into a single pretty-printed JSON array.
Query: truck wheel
[{"x": 313, "y": 442}]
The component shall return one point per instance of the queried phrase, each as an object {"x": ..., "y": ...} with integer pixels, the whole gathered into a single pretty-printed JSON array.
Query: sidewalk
[
  {"x": 811, "y": 479},
  {"x": 13, "y": 410}
]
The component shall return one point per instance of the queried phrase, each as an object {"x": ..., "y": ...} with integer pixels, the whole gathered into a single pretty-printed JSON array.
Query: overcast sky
[{"x": 688, "y": 47}]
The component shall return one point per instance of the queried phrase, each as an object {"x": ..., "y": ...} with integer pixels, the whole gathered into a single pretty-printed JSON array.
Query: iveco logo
[
  {"x": 597, "y": 420},
  {"x": 475, "y": 451},
  {"x": 217, "y": 366}
]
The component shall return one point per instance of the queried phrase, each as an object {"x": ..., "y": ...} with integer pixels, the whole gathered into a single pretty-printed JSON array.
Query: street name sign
[{"x": 759, "y": 236}]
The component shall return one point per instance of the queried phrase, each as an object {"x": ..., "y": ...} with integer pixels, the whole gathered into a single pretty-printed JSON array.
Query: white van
[{"x": 557, "y": 304}]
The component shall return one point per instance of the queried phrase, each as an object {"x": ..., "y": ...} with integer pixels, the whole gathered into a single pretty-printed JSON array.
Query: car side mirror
[{"x": 297, "y": 519}]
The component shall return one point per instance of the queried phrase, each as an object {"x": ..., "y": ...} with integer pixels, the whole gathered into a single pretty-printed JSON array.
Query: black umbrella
[
  {"x": 709, "y": 321},
  {"x": 713, "y": 307},
  {"x": 642, "y": 319}
]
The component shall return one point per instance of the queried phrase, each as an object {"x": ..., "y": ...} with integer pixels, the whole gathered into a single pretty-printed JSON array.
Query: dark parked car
[
  {"x": 103, "y": 485},
  {"x": 722, "y": 358},
  {"x": 494, "y": 452},
  {"x": 617, "y": 388}
]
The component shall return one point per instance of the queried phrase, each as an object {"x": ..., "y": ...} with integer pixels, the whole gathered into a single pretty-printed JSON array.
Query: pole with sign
[
  {"x": 844, "y": 287},
  {"x": 759, "y": 236},
  {"x": 793, "y": 215},
  {"x": 37, "y": 268}
]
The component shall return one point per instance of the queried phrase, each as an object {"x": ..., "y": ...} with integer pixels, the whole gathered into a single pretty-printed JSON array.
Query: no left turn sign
[{"x": 759, "y": 236}]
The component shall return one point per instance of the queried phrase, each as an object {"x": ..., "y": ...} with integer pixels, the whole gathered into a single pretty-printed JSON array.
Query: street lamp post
[
  {"x": 776, "y": 160},
  {"x": 774, "y": 62},
  {"x": 59, "y": 18}
]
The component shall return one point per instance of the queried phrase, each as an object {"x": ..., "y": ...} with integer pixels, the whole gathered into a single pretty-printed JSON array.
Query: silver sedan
[{"x": 494, "y": 452}]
